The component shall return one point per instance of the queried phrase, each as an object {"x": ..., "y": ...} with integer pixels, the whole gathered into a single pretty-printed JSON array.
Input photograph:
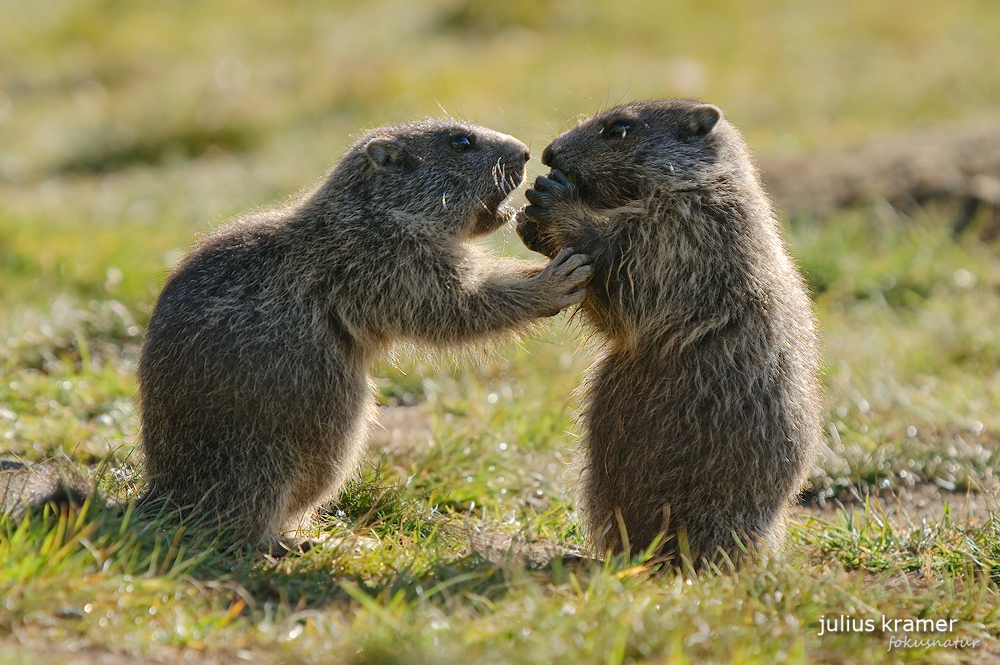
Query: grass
[{"x": 128, "y": 128}]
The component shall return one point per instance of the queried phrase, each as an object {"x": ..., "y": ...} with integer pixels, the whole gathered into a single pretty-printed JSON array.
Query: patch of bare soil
[
  {"x": 958, "y": 166},
  {"x": 914, "y": 506},
  {"x": 499, "y": 547},
  {"x": 399, "y": 428}
]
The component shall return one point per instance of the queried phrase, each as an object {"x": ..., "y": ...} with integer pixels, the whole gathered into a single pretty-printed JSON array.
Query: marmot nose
[
  {"x": 518, "y": 150},
  {"x": 548, "y": 155}
]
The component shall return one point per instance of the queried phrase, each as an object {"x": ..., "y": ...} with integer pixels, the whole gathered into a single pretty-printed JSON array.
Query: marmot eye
[
  {"x": 463, "y": 142},
  {"x": 617, "y": 129},
  {"x": 621, "y": 127}
]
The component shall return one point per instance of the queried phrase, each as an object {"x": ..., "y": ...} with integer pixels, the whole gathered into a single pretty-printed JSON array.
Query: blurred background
[
  {"x": 127, "y": 128},
  {"x": 116, "y": 112}
]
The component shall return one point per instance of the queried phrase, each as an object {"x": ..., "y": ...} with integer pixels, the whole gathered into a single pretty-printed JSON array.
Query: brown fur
[
  {"x": 254, "y": 381},
  {"x": 702, "y": 412}
]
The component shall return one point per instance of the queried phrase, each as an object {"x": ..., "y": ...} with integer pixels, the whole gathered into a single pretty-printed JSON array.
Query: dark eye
[
  {"x": 617, "y": 129},
  {"x": 463, "y": 142}
]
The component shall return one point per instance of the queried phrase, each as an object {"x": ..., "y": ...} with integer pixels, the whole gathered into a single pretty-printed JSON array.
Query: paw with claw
[
  {"x": 564, "y": 280},
  {"x": 552, "y": 201}
]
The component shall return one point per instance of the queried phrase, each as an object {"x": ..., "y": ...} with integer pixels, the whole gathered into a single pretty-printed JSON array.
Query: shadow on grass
[{"x": 415, "y": 563}]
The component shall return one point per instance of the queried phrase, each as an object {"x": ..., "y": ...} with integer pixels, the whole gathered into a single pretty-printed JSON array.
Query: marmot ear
[
  {"x": 702, "y": 119},
  {"x": 386, "y": 153}
]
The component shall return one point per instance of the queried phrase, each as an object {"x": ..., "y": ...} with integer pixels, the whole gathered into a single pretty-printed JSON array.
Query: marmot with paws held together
[{"x": 702, "y": 413}]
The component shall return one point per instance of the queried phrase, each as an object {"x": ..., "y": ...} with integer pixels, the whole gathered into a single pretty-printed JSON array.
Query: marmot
[
  {"x": 702, "y": 413},
  {"x": 254, "y": 385}
]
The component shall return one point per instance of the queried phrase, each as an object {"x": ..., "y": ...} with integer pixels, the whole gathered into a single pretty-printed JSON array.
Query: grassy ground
[{"x": 127, "y": 128}]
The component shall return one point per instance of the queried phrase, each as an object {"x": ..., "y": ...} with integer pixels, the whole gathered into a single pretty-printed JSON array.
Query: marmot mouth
[
  {"x": 494, "y": 211},
  {"x": 505, "y": 186},
  {"x": 509, "y": 185},
  {"x": 486, "y": 220},
  {"x": 495, "y": 203}
]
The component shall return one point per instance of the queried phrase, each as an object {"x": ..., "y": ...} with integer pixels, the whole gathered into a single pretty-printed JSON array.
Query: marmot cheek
[{"x": 485, "y": 221}]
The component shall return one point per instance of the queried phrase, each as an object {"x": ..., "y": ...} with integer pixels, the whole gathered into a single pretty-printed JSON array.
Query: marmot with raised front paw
[{"x": 254, "y": 385}]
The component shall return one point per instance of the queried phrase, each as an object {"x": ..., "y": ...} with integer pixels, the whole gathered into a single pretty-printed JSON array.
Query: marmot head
[
  {"x": 442, "y": 172},
  {"x": 629, "y": 152}
]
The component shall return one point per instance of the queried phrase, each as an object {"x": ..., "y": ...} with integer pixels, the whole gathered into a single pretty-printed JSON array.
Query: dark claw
[
  {"x": 542, "y": 183},
  {"x": 526, "y": 228},
  {"x": 538, "y": 213},
  {"x": 563, "y": 256},
  {"x": 528, "y": 231},
  {"x": 561, "y": 178},
  {"x": 536, "y": 197},
  {"x": 557, "y": 180}
]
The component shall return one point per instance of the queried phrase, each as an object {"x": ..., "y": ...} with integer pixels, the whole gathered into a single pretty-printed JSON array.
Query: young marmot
[
  {"x": 254, "y": 385},
  {"x": 702, "y": 413}
]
